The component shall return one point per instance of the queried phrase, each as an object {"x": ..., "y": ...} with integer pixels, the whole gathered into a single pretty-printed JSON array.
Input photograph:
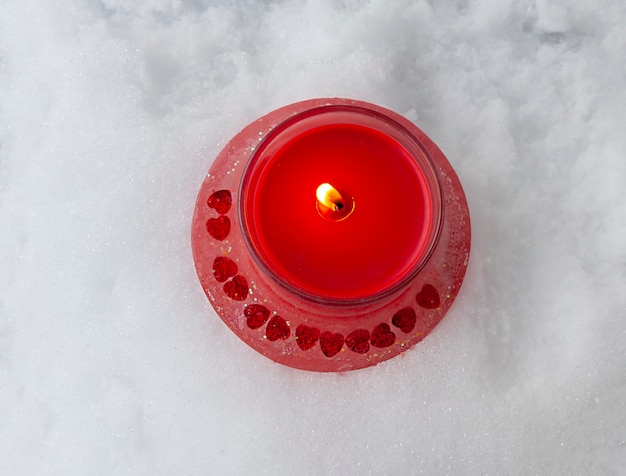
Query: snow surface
[{"x": 112, "y": 360}]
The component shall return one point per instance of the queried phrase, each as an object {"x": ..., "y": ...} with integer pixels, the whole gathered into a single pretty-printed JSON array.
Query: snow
[{"x": 112, "y": 360}]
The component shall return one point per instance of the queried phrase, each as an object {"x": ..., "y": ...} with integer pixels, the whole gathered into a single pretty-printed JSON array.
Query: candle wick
[{"x": 332, "y": 204}]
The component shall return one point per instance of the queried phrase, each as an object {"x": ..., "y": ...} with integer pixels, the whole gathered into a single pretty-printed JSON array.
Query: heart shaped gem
[
  {"x": 219, "y": 227},
  {"x": 256, "y": 315},
  {"x": 358, "y": 341},
  {"x": 405, "y": 319},
  {"x": 220, "y": 201},
  {"x": 276, "y": 329},
  {"x": 382, "y": 335},
  {"x": 306, "y": 336},
  {"x": 224, "y": 268},
  {"x": 428, "y": 297},
  {"x": 237, "y": 288},
  {"x": 331, "y": 343}
]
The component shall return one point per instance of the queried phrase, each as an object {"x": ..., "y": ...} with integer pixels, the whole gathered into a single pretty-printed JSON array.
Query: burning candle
[{"x": 331, "y": 235}]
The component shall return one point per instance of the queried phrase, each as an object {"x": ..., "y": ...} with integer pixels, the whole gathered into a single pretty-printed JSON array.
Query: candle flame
[
  {"x": 330, "y": 197},
  {"x": 333, "y": 204}
]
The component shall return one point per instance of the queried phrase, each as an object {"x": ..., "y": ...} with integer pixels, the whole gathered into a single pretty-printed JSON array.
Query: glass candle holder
[{"x": 331, "y": 234}]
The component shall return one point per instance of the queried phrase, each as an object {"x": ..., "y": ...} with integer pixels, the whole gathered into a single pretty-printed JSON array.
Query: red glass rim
[{"x": 343, "y": 114}]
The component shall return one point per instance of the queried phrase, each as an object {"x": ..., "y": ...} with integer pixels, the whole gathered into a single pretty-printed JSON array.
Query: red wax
[{"x": 374, "y": 248}]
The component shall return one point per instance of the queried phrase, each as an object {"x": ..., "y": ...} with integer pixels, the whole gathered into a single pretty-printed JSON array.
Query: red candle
[
  {"x": 392, "y": 211},
  {"x": 331, "y": 235}
]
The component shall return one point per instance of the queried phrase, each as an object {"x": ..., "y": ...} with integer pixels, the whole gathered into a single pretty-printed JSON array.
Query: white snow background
[{"x": 112, "y": 361}]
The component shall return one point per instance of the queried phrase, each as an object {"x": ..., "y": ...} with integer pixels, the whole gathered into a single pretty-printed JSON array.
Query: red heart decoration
[
  {"x": 256, "y": 315},
  {"x": 331, "y": 343},
  {"x": 382, "y": 335},
  {"x": 405, "y": 319},
  {"x": 219, "y": 227},
  {"x": 224, "y": 268},
  {"x": 276, "y": 329},
  {"x": 237, "y": 288},
  {"x": 358, "y": 341},
  {"x": 306, "y": 336},
  {"x": 428, "y": 297},
  {"x": 220, "y": 201}
]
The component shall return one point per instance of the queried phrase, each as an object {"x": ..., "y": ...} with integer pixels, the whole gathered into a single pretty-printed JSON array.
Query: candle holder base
[{"x": 310, "y": 334}]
